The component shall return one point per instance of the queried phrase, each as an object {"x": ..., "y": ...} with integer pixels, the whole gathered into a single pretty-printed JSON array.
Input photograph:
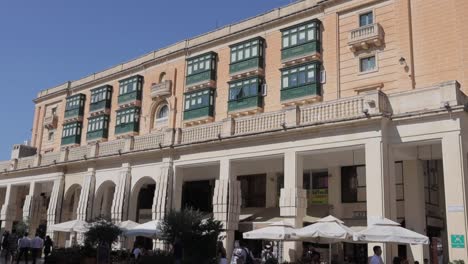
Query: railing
[
  {"x": 50, "y": 121},
  {"x": 257, "y": 123},
  {"x": 78, "y": 153},
  {"x": 201, "y": 133},
  {"x": 161, "y": 89},
  {"x": 372, "y": 33},
  {"x": 50, "y": 158},
  {"x": 339, "y": 109},
  {"x": 112, "y": 147},
  {"x": 367, "y": 105},
  {"x": 148, "y": 141},
  {"x": 24, "y": 163}
]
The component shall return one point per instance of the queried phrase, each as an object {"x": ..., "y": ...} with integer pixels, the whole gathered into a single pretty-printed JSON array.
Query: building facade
[{"x": 350, "y": 108}]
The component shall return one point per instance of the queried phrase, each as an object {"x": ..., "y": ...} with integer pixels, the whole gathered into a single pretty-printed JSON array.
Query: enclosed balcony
[
  {"x": 248, "y": 104},
  {"x": 71, "y": 134},
  {"x": 245, "y": 96},
  {"x": 162, "y": 89},
  {"x": 301, "y": 43},
  {"x": 100, "y": 100},
  {"x": 199, "y": 107},
  {"x": 50, "y": 121},
  {"x": 127, "y": 121},
  {"x": 74, "y": 109},
  {"x": 130, "y": 91},
  {"x": 300, "y": 84},
  {"x": 201, "y": 72},
  {"x": 247, "y": 58},
  {"x": 365, "y": 37}
]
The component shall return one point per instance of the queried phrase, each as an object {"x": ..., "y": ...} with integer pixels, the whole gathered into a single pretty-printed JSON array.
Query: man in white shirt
[
  {"x": 37, "y": 243},
  {"x": 24, "y": 244},
  {"x": 377, "y": 258}
]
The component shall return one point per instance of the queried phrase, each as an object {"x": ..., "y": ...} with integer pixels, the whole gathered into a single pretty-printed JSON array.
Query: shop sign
[
  {"x": 458, "y": 241},
  {"x": 319, "y": 196}
]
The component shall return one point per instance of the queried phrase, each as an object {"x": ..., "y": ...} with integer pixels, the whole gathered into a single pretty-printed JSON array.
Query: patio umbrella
[
  {"x": 127, "y": 225},
  {"x": 385, "y": 230},
  {"x": 148, "y": 229},
  {"x": 326, "y": 230},
  {"x": 79, "y": 226},
  {"x": 278, "y": 231}
]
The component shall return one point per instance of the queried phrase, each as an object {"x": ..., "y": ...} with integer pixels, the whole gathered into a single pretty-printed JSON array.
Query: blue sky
[{"x": 48, "y": 42}]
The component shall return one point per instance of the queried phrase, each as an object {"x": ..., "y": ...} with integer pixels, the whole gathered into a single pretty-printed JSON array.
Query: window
[
  {"x": 98, "y": 123},
  {"x": 53, "y": 111},
  {"x": 162, "y": 77},
  {"x": 198, "y": 99},
  {"x": 51, "y": 136},
  {"x": 353, "y": 184},
  {"x": 101, "y": 94},
  {"x": 316, "y": 184},
  {"x": 201, "y": 63},
  {"x": 253, "y": 188},
  {"x": 75, "y": 102},
  {"x": 366, "y": 19},
  {"x": 301, "y": 34},
  {"x": 71, "y": 129},
  {"x": 367, "y": 64},
  {"x": 130, "y": 85},
  {"x": 163, "y": 112},
  {"x": 244, "y": 89},
  {"x": 126, "y": 116},
  {"x": 300, "y": 76},
  {"x": 247, "y": 50}
]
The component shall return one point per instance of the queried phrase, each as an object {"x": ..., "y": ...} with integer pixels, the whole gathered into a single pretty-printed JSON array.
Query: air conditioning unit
[
  {"x": 264, "y": 89},
  {"x": 323, "y": 76}
]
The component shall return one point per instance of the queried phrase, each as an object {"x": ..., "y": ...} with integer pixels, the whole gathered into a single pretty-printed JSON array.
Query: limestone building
[{"x": 350, "y": 108}]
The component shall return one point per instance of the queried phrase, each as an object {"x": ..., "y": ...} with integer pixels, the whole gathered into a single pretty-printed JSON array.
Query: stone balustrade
[
  {"x": 362, "y": 106},
  {"x": 161, "y": 89},
  {"x": 365, "y": 36}
]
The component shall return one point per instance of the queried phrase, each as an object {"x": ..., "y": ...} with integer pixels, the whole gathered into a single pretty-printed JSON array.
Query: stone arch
[
  {"x": 70, "y": 203},
  {"x": 159, "y": 121},
  {"x": 148, "y": 184},
  {"x": 103, "y": 200},
  {"x": 162, "y": 77}
]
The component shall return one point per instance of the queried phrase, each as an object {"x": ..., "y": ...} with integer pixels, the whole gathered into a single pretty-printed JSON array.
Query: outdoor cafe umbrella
[
  {"x": 385, "y": 230},
  {"x": 148, "y": 229},
  {"x": 127, "y": 225},
  {"x": 326, "y": 230},
  {"x": 79, "y": 226},
  {"x": 278, "y": 231}
]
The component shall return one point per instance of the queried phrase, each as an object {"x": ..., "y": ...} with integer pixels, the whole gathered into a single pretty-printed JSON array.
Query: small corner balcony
[
  {"x": 163, "y": 89},
  {"x": 51, "y": 121},
  {"x": 246, "y": 68},
  {"x": 302, "y": 53},
  {"x": 366, "y": 37}
]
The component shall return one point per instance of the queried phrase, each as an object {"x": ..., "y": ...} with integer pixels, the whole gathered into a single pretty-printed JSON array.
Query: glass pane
[
  {"x": 187, "y": 104},
  {"x": 254, "y": 51},
  {"x": 233, "y": 57},
  {"x": 247, "y": 53},
  {"x": 201, "y": 65},
  {"x": 190, "y": 69},
  {"x": 207, "y": 65},
  {"x": 310, "y": 34},
  {"x": 285, "y": 82},
  {"x": 240, "y": 55},
  {"x": 293, "y": 39},
  {"x": 302, "y": 36},
  {"x": 195, "y": 67},
  {"x": 302, "y": 77},
  {"x": 311, "y": 76},
  {"x": 293, "y": 80},
  {"x": 285, "y": 42}
]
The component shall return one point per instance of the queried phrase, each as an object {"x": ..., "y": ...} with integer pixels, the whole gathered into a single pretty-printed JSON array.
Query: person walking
[
  {"x": 37, "y": 243},
  {"x": 48, "y": 245},
  {"x": 377, "y": 258},
  {"x": 12, "y": 247},
  {"x": 5, "y": 242},
  {"x": 221, "y": 253},
  {"x": 239, "y": 255},
  {"x": 24, "y": 244}
]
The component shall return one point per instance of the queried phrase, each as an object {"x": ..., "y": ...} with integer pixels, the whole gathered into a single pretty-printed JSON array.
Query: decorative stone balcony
[
  {"x": 51, "y": 121},
  {"x": 162, "y": 89},
  {"x": 366, "y": 37}
]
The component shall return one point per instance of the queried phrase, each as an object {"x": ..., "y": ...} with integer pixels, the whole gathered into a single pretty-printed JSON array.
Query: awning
[{"x": 70, "y": 226}]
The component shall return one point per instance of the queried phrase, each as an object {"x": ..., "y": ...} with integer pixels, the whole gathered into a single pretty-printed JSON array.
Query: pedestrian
[
  {"x": 5, "y": 240},
  {"x": 24, "y": 244},
  {"x": 249, "y": 259},
  {"x": 377, "y": 257},
  {"x": 268, "y": 257},
  {"x": 178, "y": 251},
  {"x": 48, "y": 245},
  {"x": 136, "y": 253},
  {"x": 12, "y": 247},
  {"x": 37, "y": 243},
  {"x": 238, "y": 254},
  {"x": 221, "y": 253}
]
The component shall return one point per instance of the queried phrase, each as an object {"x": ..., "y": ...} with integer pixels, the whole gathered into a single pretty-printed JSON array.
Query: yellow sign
[{"x": 318, "y": 196}]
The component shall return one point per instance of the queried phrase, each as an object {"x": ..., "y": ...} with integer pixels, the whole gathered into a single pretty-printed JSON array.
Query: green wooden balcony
[
  {"x": 74, "y": 113},
  {"x": 299, "y": 51},
  {"x": 245, "y": 103},
  {"x": 127, "y": 128},
  {"x": 72, "y": 140},
  {"x": 98, "y": 106},
  {"x": 300, "y": 91},
  {"x": 246, "y": 65},
  {"x": 99, "y": 134},
  {"x": 205, "y": 76},
  {"x": 198, "y": 113},
  {"x": 129, "y": 97}
]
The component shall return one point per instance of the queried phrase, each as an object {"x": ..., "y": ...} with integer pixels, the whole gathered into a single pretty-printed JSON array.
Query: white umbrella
[
  {"x": 127, "y": 225},
  {"x": 70, "y": 226},
  {"x": 148, "y": 229},
  {"x": 279, "y": 231},
  {"x": 385, "y": 230},
  {"x": 326, "y": 230}
]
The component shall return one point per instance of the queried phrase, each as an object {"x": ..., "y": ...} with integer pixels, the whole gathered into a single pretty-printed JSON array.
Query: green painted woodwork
[
  {"x": 300, "y": 91},
  {"x": 198, "y": 112},
  {"x": 127, "y": 127},
  {"x": 128, "y": 97},
  {"x": 200, "y": 77},
  {"x": 77, "y": 112},
  {"x": 98, "y": 134},
  {"x": 244, "y": 65},
  {"x": 76, "y": 139},
  {"x": 300, "y": 50},
  {"x": 101, "y": 105},
  {"x": 243, "y": 103}
]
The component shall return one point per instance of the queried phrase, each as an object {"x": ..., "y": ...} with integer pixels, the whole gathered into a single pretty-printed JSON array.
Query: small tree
[
  {"x": 102, "y": 232},
  {"x": 197, "y": 234},
  {"x": 22, "y": 227}
]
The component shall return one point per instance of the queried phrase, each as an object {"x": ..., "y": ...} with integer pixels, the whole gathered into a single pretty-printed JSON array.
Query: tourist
[
  {"x": 37, "y": 243},
  {"x": 377, "y": 257},
  {"x": 249, "y": 259},
  {"x": 267, "y": 254},
  {"x": 136, "y": 253},
  {"x": 12, "y": 246},
  {"x": 24, "y": 244},
  {"x": 221, "y": 253},
  {"x": 48, "y": 244},
  {"x": 238, "y": 254}
]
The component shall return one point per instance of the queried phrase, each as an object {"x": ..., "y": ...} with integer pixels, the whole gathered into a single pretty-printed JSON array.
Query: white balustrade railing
[
  {"x": 258, "y": 123},
  {"x": 78, "y": 153},
  {"x": 5, "y": 165},
  {"x": 26, "y": 162},
  {"x": 201, "y": 133},
  {"x": 364, "y": 33},
  {"x": 49, "y": 158},
  {"x": 111, "y": 147},
  {"x": 335, "y": 110},
  {"x": 148, "y": 141}
]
